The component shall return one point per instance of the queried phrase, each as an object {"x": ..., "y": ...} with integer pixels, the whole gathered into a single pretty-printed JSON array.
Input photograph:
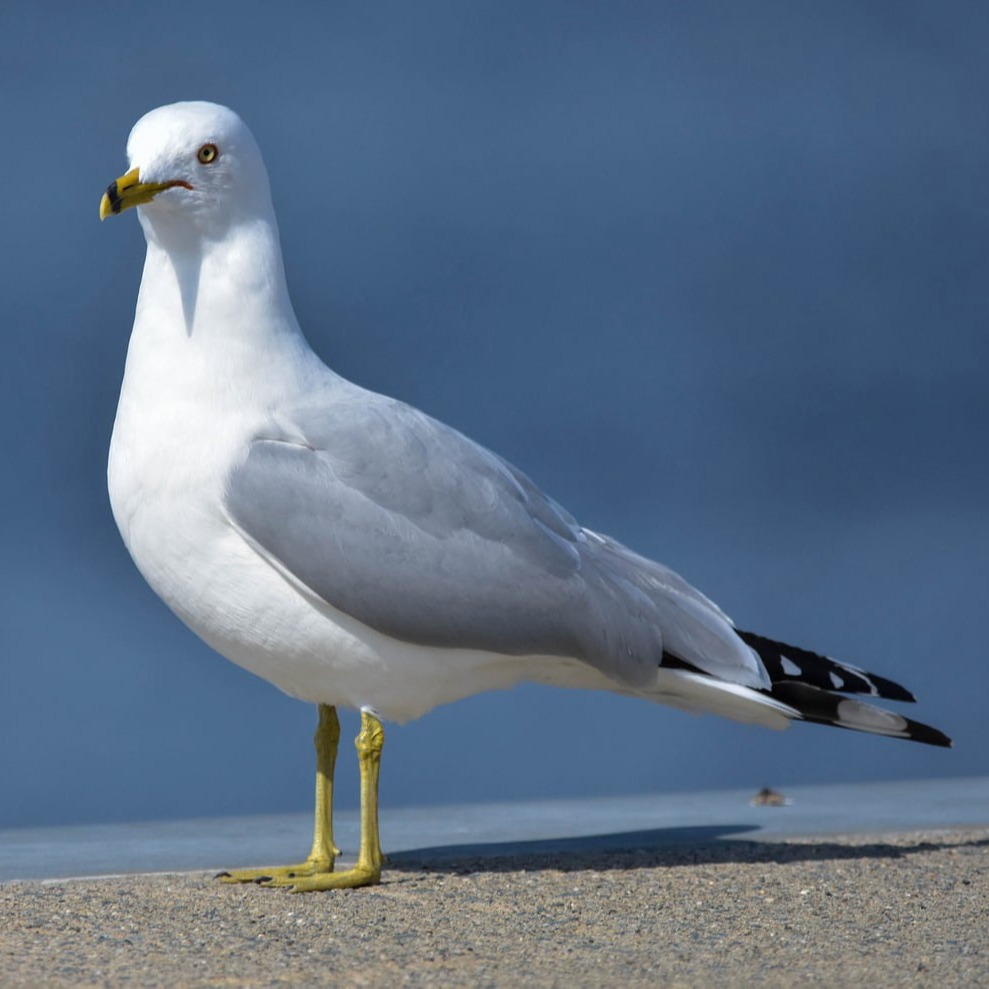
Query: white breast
[{"x": 179, "y": 430}]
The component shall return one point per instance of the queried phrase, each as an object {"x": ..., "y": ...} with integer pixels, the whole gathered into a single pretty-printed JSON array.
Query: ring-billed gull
[{"x": 356, "y": 552}]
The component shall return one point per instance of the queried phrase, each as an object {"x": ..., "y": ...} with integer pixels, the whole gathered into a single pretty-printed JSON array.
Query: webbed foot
[
  {"x": 317, "y": 882},
  {"x": 282, "y": 873}
]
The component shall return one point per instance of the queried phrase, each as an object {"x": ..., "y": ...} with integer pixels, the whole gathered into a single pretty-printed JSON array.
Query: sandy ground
[{"x": 892, "y": 910}]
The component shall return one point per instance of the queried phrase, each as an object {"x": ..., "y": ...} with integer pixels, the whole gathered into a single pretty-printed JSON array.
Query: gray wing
[{"x": 416, "y": 531}]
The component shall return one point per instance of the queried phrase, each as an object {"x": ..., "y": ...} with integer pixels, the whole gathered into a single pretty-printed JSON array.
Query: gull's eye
[{"x": 207, "y": 154}]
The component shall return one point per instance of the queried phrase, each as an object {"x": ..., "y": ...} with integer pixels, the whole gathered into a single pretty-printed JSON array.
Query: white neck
[
  {"x": 214, "y": 322},
  {"x": 190, "y": 278}
]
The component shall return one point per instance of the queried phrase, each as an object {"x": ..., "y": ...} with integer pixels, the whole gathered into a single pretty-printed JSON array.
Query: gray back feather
[{"x": 419, "y": 533}]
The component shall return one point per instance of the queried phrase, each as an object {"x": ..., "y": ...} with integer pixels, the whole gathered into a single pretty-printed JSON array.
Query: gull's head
[{"x": 191, "y": 165}]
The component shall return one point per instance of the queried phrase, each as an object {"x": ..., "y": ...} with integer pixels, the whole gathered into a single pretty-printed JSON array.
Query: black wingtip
[
  {"x": 892, "y": 690},
  {"x": 918, "y": 732},
  {"x": 787, "y": 663}
]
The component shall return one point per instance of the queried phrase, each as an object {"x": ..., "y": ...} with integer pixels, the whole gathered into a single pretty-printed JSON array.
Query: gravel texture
[{"x": 880, "y": 910}]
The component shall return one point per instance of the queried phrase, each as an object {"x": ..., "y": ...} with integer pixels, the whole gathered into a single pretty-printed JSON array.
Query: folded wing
[{"x": 411, "y": 528}]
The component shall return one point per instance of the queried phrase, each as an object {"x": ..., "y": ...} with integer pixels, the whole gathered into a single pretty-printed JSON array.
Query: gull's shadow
[{"x": 650, "y": 849}]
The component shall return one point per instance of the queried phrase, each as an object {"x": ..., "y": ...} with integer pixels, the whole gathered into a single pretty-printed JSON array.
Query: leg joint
[{"x": 371, "y": 738}]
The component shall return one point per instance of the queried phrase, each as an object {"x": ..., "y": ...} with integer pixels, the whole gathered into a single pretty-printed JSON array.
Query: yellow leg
[
  {"x": 324, "y": 851},
  {"x": 327, "y": 741},
  {"x": 367, "y": 871}
]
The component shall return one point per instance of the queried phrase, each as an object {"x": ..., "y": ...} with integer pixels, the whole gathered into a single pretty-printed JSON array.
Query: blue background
[{"x": 714, "y": 275}]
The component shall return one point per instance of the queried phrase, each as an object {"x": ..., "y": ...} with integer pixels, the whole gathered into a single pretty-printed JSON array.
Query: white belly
[{"x": 169, "y": 512}]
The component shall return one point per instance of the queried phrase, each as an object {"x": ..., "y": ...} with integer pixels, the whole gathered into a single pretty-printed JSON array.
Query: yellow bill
[{"x": 129, "y": 190}]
